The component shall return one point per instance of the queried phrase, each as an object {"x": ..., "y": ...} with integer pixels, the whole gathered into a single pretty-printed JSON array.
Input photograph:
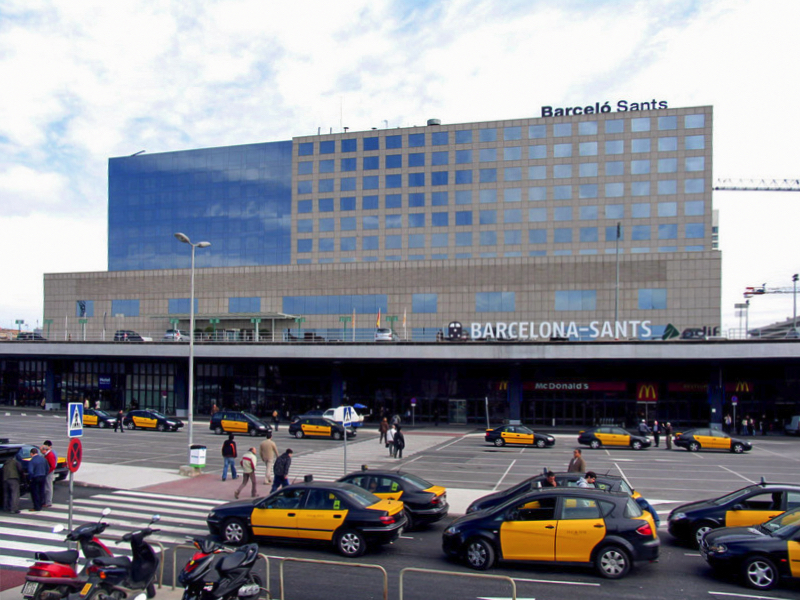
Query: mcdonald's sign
[
  {"x": 739, "y": 387},
  {"x": 646, "y": 392},
  {"x": 501, "y": 386}
]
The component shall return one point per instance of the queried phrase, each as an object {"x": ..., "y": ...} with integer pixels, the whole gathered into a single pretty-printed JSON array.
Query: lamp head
[
  {"x": 182, "y": 237},
  {"x": 203, "y": 244}
]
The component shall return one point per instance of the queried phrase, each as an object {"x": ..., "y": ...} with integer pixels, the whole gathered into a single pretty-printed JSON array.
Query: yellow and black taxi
[
  {"x": 518, "y": 434},
  {"x": 23, "y": 452},
  {"x": 151, "y": 419},
  {"x": 710, "y": 439},
  {"x": 424, "y": 502},
  {"x": 751, "y": 505},
  {"x": 335, "y": 513},
  {"x": 569, "y": 526},
  {"x": 609, "y": 436},
  {"x": 229, "y": 421},
  {"x": 761, "y": 555},
  {"x": 315, "y": 426},
  {"x": 93, "y": 417},
  {"x": 612, "y": 483}
]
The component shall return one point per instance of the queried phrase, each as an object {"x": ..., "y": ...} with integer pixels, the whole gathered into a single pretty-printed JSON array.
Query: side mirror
[
  {"x": 106, "y": 511},
  {"x": 738, "y": 507},
  {"x": 58, "y": 528},
  {"x": 156, "y": 518}
]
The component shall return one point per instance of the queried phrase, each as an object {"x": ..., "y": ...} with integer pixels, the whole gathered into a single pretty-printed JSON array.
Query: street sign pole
[{"x": 74, "y": 450}]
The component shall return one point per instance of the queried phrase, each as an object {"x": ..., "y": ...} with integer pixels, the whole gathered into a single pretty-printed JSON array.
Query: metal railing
[
  {"x": 457, "y": 574},
  {"x": 336, "y": 563}
]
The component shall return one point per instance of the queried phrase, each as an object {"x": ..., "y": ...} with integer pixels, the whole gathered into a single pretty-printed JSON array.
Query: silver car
[
  {"x": 384, "y": 334},
  {"x": 175, "y": 335}
]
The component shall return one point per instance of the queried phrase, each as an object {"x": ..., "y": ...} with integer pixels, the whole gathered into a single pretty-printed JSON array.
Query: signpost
[
  {"x": 734, "y": 402},
  {"x": 256, "y": 321},
  {"x": 413, "y": 410},
  {"x": 214, "y": 324},
  {"x": 83, "y": 323},
  {"x": 74, "y": 450}
]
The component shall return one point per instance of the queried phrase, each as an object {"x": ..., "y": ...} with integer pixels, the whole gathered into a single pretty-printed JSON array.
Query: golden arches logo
[
  {"x": 647, "y": 391},
  {"x": 502, "y": 386},
  {"x": 742, "y": 386}
]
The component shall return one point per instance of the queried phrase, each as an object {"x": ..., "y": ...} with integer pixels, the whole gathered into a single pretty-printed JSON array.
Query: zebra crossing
[{"x": 24, "y": 534}]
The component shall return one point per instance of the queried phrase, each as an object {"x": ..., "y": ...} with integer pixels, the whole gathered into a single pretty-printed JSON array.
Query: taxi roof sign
[{"x": 75, "y": 419}]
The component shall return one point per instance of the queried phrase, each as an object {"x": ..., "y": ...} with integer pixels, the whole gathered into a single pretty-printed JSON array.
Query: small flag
[
  {"x": 404, "y": 317},
  {"x": 378, "y": 325}
]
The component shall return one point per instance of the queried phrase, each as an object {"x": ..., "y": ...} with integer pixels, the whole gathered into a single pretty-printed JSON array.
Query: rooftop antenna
[
  {"x": 386, "y": 124},
  {"x": 138, "y": 153}
]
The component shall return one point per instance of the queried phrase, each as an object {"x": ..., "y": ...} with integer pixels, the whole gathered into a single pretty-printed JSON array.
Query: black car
[
  {"x": 567, "y": 526},
  {"x": 98, "y": 418},
  {"x": 424, "y": 502},
  {"x": 761, "y": 554},
  {"x": 335, "y": 513},
  {"x": 319, "y": 427},
  {"x": 230, "y": 421},
  {"x": 151, "y": 419},
  {"x": 611, "y": 483},
  {"x": 9, "y": 452},
  {"x": 126, "y": 335},
  {"x": 609, "y": 436},
  {"x": 710, "y": 439},
  {"x": 751, "y": 505},
  {"x": 518, "y": 434},
  {"x": 30, "y": 336}
]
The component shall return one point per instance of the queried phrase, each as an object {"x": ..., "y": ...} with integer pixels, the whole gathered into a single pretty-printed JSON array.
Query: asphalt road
[{"x": 465, "y": 461}]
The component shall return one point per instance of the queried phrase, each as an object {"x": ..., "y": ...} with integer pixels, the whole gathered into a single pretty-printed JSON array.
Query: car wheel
[
  {"x": 409, "y": 521},
  {"x": 337, "y": 435},
  {"x": 540, "y": 443},
  {"x": 636, "y": 445},
  {"x": 253, "y": 433},
  {"x": 499, "y": 442},
  {"x": 161, "y": 427},
  {"x": 612, "y": 562},
  {"x": 299, "y": 434},
  {"x": 698, "y": 531},
  {"x": 102, "y": 424},
  {"x": 218, "y": 430},
  {"x": 130, "y": 425},
  {"x": 595, "y": 444},
  {"x": 693, "y": 447},
  {"x": 737, "y": 449},
  {"x": 479, "y": 554},
  {"x": 351, "y": 543},
  {"x": 234, "y": 532},
  {"x": 759, "y": 573}
]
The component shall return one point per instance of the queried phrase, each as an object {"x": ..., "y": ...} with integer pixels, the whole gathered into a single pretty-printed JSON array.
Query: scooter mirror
[
  {"x": 58, "y": 529},
  {"x": 106, "y": 511},
  {"x": 156, "y": 518}
]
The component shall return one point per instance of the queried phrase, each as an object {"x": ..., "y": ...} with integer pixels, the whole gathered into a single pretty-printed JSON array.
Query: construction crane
[
  {"x": 757, "y": 185},
  {"x": 749, "y": 292}
]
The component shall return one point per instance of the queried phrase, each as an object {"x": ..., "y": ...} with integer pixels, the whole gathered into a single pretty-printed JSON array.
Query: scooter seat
[
  {"x": 244, "y": 555},
  {"x": 112, "y": 561},
  {"x": 65, "y": 557}
]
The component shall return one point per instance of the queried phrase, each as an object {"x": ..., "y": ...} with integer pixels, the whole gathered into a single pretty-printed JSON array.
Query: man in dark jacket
[
  {"x": 281, "y": 470},
  {"x": 37, "y": 472},
  {"x": 229, "y": 455},
  {"x": 12, "y": 474},
  {"x": 399, "y": 442}
]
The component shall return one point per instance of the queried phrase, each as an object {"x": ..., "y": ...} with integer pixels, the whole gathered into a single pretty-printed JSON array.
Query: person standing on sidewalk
[
  {"x": 383, "y": 428},
  {"x": 399, "y": 442},
  {"x": 12, "y": 473},
  {"x": 118, "y": 422},
  {"x": 52, "y": 460},
  {"x": 390, "y": 440},
  {"x": 268, "y": 452},
  {"x": 577, "y": 464},
  {"x": 229, "y": 456},
  {"x": 37, "y": 473},
  {"x": 668, "y": 435},
  {"x": 248, "y": 463},
  {"x": 281, "y": 470},
  {"x": 656, "y": 432},
  {"x": 276, "y": 419}
]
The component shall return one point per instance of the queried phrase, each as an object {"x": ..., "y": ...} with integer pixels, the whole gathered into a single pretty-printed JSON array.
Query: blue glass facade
[{"x": 239, "y": 198}]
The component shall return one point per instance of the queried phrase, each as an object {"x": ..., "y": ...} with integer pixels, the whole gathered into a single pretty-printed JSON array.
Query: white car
[
  {"x": 385, "y": 334},
  {"x": 175, "y": 335},
  {"x": 344, "y": 414}
]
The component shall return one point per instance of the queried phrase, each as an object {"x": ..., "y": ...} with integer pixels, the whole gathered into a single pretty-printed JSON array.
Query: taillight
[
  {"x": 34, "y": 572},
  {"x": 387, "y": 519},
  {"x": 436, "y": 500},
  {"x": 94, "y": 569},
  {"x": 645, "y": 529}
]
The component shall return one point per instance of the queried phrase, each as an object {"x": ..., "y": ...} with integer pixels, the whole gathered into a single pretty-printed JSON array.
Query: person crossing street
[
  {"x": 248, "y": 463},
  {"x": 268, "y": 452}
]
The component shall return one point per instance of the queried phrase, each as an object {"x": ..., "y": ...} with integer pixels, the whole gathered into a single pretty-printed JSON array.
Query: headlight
[
  {"x": 211, "y": 515},
  {"x": 718, "y": 549},
  {"x": 171, "y": 423},
  {"x": 677, "y": 516},
  {"x": 453, "y": 530}
]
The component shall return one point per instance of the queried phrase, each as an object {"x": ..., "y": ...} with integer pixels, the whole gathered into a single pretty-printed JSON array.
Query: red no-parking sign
[{"x": 74, "y": 455}]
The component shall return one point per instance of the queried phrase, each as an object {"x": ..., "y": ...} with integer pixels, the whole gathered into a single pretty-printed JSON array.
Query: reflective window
[
  {"x": 562, "y": 171},
  {"x": 562, "y": 150},
  {"x": 416, "y": 240},
  {"x": 694, "y": 208},
  {"x": 587, "y": 190},
  {"x": 695, "y": 142},
  {"x": 695, "y": 163},
  {"x": 305, "y": 206},
  {"x": 537, "y": 172},
  {"x": 562, "y": 192},
  {"x": 304, "y": 187},
  {"x": 615, "y": 167},
  {"x": 644, "y": 250},
  {"x": 667, "y": 165},
  {"x": 652, "y": 298},
  {"x": 537, "y": 194},
  {"x": 328, "y": 147},
  {"x": 588, "y": 234},
  {"x": 487, "y": 238},
  {"x": 303, "y": 246},
  {"x": 463, "y": 177},
  {"x": 393, "y": 201},
  {"x": 370, "y": 242},
  {"x": 562, "y": 235},
  {"x": 512, "y": 153},
  {"x": 325, "y": 185},
  {"x": 576, "y": 300},
  {"x": 537, "y": 152},
  {"x": 537, "y": 131},
  {"x": 587, "y": 148},
  {"x": 440, "y": 138},
  {"x": 370, "y": 163},
  {"x": 615, "y": 146},
  {"x": 615, "y": 190},
  {"x": 416, "y": 179},
  {"x": 537, "y": 215},
  {"x": 488, "y": 175},
  {"x": 640, "y": 167},
  {"x": 587, "y": 170},
  {"x": 325, "y": 205},
  {"x": 495, "y": 302},
  {"x": 587, "y": 128},
  {"x": 349, "y": 145},
  {"x": 588, "y": 212},
  {"x": 512, "y": 215},
  {"x": 640, "y": 145},
  {"x": 463, "y": 157},
  {"x": 416, "y": 220},
  {"x": 440, "y": 158},
  {"x": 640, "y": 232},
  {"x": 394, "y": 221},
  {"x": 640, "y": 210},
  {"x": 393, "y": 181},
  {"x": 487, "y": 196},
  {"x": 416, "y": 159},
  {"x": 667, "y": 209},
  {"x": 416, "y": 200},
  {"x": 694, "y": 248},
  {"x": 512, "y": 195},
  {"x": 463, "y": 196},
  {"x": 440, "y": 178},
  {"x": 347, "y": 203},
  {"x": 369, "y": 222},
  {"x": 424, "y": 303},
  {"x": 695, "y": 230},
  {"x": 537, "y": 236},
  {"x": 694, "y": 186},
  {"x": 512, "y": 133},
  {"x": 127, "y": 308},
  {"x": 487, "y": 217},
  {"x": 305, "y": 167},
  {"x": 464, "y": 217},
  {"x": 416, "y": 140},
  {"x": 440, "y": 219},
  {"x": 562, "y": 129},
  {"x": 665, "y": 123},
  {"x": 694, "y": 121},
  {"x": 464, "y": 239},
  {"x": 487, "y": 135},
  {"x": 667, "y": 144},
  {"x": 440, "y": 240},
  {"x": 243, "y": 305},
  {"x": 370, "y": 182},
  {"x": 512, "y": 237},
  {"x": 667, "y": 186},
  {"x": 640, "y": 188},
  {"x": 327, "y": 224},
  {"x": 615, "y": 126},
  {"x": 668, "y": 231},
  {"x": 439, "y": 199},
  {"x": 305, "y": 149},
  {"x": 347, "y": 184},
  {"x": 305, "y": 225},
  {"x": 394, "y": 242},
  {"x": 393, "y": 142},
  {"x": 329, "y": 165},
  {"x": 640, "y": 124},
  {"x": 175, "y": 306},
  {"x": 335, "y": 305},
  {"x": 562, "y": 213},
  {"x": 464, "y": 136},
  {"x": 611, "y": 233},
  {"x": 615, "y": 211},
  {"x": 487, "y": 154},
  {"x": 347, "y": 244}
]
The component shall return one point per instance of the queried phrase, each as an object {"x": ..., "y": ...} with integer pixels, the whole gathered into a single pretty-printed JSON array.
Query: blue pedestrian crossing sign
[{"x": 75, "y": 419}]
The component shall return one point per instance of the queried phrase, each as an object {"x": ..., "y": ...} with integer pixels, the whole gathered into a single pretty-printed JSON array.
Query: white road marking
[
  {"x": 746, "y": 596},
  {"x": 737, "y": 474},
  {"x": 621, "y": 472},
  {"x": 450, "y": 443},
  {"x": 504, "y": 475},
  {"x": 557, "y": 582}
]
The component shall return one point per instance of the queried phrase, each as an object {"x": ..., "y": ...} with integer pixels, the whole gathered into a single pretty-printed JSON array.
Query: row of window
[
  {"x": 493, "y": 134},
  {"x": 509, "y": 153},
  {"x": 509, "y": 237}
]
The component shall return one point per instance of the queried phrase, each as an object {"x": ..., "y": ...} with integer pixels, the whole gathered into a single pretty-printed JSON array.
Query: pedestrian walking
[
  {"x": 751, "y": 426},
  {"x": 118, "y": 422},
  {"x": 276, "y": 419},
  {"x": 268, "y": 452},
  {"x": 229, "y": 457},
  {"x": 52, "y": 460},
  {"x": 390, "y": 440},
  {"x": 656, "y": 432},
  {"x": 643, "y": 429},
  {"x": 383, "y": 428},
  {"x": 214, "y": 409},
  {"x": 281, "y": 470},
  {"x": 399, "y": 442},
  {"x": 248, "y": 463},
  {"x": 668, "y": 435},
  {"x": 743, "y": 428},
  {"x": 85, "y": 403},
  {"x": 576, "y": 464},
  {"x": 37, "y": 473},
  {"x": 727, "y": 423},
  {"x": 12, "y": 474}
]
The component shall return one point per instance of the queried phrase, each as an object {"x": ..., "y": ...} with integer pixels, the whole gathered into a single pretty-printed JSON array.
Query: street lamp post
[
  {"x": 794, "y": 295},
  {"x": 185, "y": 239}
]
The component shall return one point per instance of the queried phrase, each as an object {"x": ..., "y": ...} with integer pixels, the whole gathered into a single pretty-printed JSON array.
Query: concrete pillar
[
  {"x": 337, "y": 390},
  {"x": 514, "y": 394}
]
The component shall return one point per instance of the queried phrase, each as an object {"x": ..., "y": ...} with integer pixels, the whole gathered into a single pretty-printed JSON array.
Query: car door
[
  {"x": 89, "y": 418},
  {"x": 703, "y": 437},
  {"x": 793, "y": 548},
  {"x": 580, "y": 528},
  {"x": 277, "y": 515},
  {"x": 755, "y": 509},
  {"x": 524, "y": 436},
  {"x": 321, "y": 515},
  {"x": 720, "y": 440},
  {"x": 620, "y": 437},
  {"x": 528, "y": 531}
]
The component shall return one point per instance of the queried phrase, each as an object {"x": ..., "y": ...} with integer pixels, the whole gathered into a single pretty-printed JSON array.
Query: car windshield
[
  {"x": 157, "y": 414},
  {"x": 624, "y": 487},
  {"x": 101, "y": 413},
  {"x": 731, "y": 497},
  {"x": 414, "y": 480},
  {"x": 360, "y": 496},
  {"x": 787, "y": 519},
  {"x": 249, "y": 416}
]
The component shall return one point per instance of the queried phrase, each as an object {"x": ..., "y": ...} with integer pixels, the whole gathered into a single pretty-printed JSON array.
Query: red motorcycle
[{"x": 54, "y": 575}]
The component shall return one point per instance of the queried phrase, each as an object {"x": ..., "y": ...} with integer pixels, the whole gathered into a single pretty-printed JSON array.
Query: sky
[{"x": 85, "y": 80}]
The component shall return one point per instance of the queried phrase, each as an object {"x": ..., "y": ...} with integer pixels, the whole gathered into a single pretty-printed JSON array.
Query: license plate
[
  {"x": 29, "y": 589},
  {"x": 86, "y": 589}
]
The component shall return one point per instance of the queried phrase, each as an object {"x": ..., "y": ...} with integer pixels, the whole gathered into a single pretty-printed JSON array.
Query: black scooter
[
  {"x": 214, "y": 574},
  {"x": 120, "y": 576}
]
